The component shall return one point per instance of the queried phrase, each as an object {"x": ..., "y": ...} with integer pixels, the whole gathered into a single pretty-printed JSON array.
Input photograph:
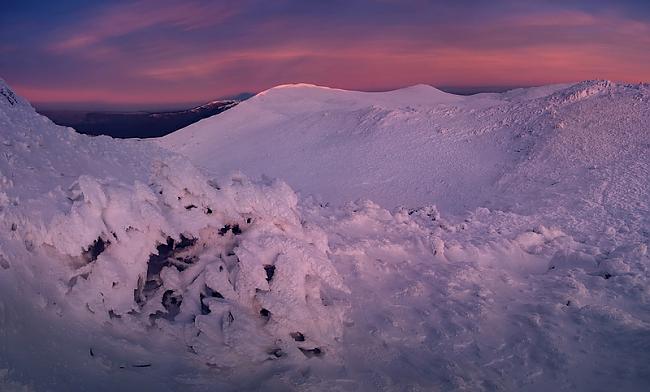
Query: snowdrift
[
  {"x": 125, "y": 267},
  {"x": 123, "y": 236}
]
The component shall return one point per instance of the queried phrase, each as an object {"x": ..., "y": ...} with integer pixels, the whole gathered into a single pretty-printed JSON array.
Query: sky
[{"x": 147, "y": 53}]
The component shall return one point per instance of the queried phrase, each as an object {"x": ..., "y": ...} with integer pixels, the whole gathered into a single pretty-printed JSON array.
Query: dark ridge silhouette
[{"x": 135, "y": 124}]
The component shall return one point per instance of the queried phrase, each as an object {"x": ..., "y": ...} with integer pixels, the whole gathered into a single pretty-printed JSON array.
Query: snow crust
[{"x": 506, "y": 248}]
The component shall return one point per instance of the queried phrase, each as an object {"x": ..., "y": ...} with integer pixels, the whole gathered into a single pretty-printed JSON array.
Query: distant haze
[
  {"x": 88, "y": 106},
  {"x": 134, "y": 124}
]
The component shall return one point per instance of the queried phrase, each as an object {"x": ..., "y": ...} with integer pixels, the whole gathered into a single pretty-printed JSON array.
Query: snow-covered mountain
[
  {"x": 419, "y": 146},
  {"x": 519, "y": 262}
]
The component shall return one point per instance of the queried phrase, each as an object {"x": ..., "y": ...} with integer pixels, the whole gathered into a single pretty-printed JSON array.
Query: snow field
[{"x": 123, "y": 266}]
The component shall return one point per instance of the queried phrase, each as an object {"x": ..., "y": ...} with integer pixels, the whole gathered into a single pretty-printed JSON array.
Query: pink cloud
[
  {"x": 511, "y": 49},
  {"x": 531, "y": 49},
  {"x": 123, "y": 19},
  {"x": 554, "y": 19}
]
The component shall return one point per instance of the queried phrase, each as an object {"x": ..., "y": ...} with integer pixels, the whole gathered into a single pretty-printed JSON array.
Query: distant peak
[
  {"x": 420, "y": 86},
  {"x": 218, "y": 102},
  {"x": 416, "y": 89},
  {"x": 298, "y": 86},
  {"x": 424, "y": 88}
]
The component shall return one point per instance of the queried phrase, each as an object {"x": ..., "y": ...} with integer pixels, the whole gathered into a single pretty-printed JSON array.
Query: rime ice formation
[
  {"x": 129, "y": 237},
  {"x": 505, "y": 249}
]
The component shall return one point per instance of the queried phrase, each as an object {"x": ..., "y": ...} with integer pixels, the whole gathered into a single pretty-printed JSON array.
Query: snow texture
[{"x": 505, "y": 249}]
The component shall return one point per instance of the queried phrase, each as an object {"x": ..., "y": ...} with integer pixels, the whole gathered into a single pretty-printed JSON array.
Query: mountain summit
[{"x": 418, "y": 145}]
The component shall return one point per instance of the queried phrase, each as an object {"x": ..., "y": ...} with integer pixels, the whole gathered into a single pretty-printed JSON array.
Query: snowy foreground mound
[
  {"x": 124, "y": 267},
  {"x": 121, "y": 239}
]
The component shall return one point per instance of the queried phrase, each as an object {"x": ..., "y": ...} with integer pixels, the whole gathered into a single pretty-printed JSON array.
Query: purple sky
[{"x": 156, "y": 53}]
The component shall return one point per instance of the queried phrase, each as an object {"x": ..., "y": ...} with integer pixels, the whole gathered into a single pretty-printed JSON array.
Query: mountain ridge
[
  {"x": 141, "y": 124},
  {"x": 526, "y": 269},
  {"x": 376, "y": 133}
]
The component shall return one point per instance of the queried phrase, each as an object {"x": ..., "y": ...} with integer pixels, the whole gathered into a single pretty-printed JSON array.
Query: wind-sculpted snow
[
  {"x": 227, "y": 268},
  {"x": 492, "y": 302},
  {"x": 124, "y": 267}
]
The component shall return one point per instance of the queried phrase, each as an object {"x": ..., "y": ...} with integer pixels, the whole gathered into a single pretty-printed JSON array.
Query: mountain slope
[
  {"x": 311, "y": 135},
  {"x": 124, "y": 267},
  {"x": 420, "y": 146}
]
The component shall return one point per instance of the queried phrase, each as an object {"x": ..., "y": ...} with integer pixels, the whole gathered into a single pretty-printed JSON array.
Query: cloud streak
[
  {"x": 125, "y": 19},
  {"x": 152, "y": 52}
]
